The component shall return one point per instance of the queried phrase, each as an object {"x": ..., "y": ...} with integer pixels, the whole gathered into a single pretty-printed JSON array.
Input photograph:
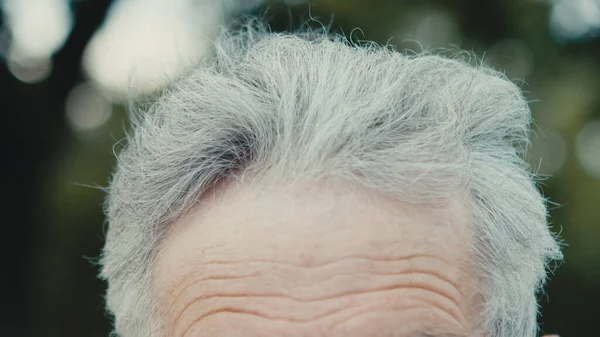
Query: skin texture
[{"x": 320, "y": 259}]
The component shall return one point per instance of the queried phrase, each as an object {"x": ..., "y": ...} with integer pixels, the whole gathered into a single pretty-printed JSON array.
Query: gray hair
[{"x": 278, "y": 106}]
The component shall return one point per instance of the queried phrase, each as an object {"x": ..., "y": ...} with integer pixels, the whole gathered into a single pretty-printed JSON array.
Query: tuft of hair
[{"x": 282, "y": 107}]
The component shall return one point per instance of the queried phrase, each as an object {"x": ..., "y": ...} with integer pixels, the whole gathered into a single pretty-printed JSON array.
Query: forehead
[
  {"x": 311, "y": 224},
  {"x": 314, "y": 253}
]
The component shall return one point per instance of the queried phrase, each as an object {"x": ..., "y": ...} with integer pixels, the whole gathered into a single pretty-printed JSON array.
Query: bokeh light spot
[
  {"x": 548, "y": 152},
  {"x": 30, "y": 70},
  {"x": 429, "y": 28},
  {"x": 575, "y": 19},
  {"x": 587, "y": 147},
  {"x": 436, "y": 29},
  {"x": 38, "y": 27},
  {"x": 86, "y": 108},
  {"x": 513, "y": 57}
]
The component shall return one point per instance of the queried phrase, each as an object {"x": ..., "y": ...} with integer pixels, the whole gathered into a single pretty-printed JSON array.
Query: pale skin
[{"x": 323, "y": 259}]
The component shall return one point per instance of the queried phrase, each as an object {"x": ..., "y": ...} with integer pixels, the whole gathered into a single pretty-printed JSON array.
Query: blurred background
[{"x": 59, "y": 132}]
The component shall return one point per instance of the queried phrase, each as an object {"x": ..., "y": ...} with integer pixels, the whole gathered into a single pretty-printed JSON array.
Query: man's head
[{"x": 306, "y": 187}]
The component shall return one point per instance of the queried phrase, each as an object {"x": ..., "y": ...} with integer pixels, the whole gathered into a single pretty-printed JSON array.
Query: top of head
[{"x": 268, "y": 107}]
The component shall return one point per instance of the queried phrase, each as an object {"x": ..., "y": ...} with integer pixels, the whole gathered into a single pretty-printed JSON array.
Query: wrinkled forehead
[{"x": 312, "y": 243}]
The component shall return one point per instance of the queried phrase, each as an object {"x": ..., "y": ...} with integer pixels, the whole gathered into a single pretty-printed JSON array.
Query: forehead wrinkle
[
  {"x": 218, "y": 299},
  {"x": 423, "y": 334},
  {"x": 401, "y": 275},
  {"x": 338, "y": 312},
  {"x": 213, "y": 235},
  {"x": 370, "y": 266}
]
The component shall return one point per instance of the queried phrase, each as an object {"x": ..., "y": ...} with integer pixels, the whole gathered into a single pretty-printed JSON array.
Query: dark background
[{"x": 53, "y": 219}]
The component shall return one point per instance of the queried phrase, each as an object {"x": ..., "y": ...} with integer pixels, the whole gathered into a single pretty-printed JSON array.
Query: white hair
[{"x": 278, "y": 106}]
